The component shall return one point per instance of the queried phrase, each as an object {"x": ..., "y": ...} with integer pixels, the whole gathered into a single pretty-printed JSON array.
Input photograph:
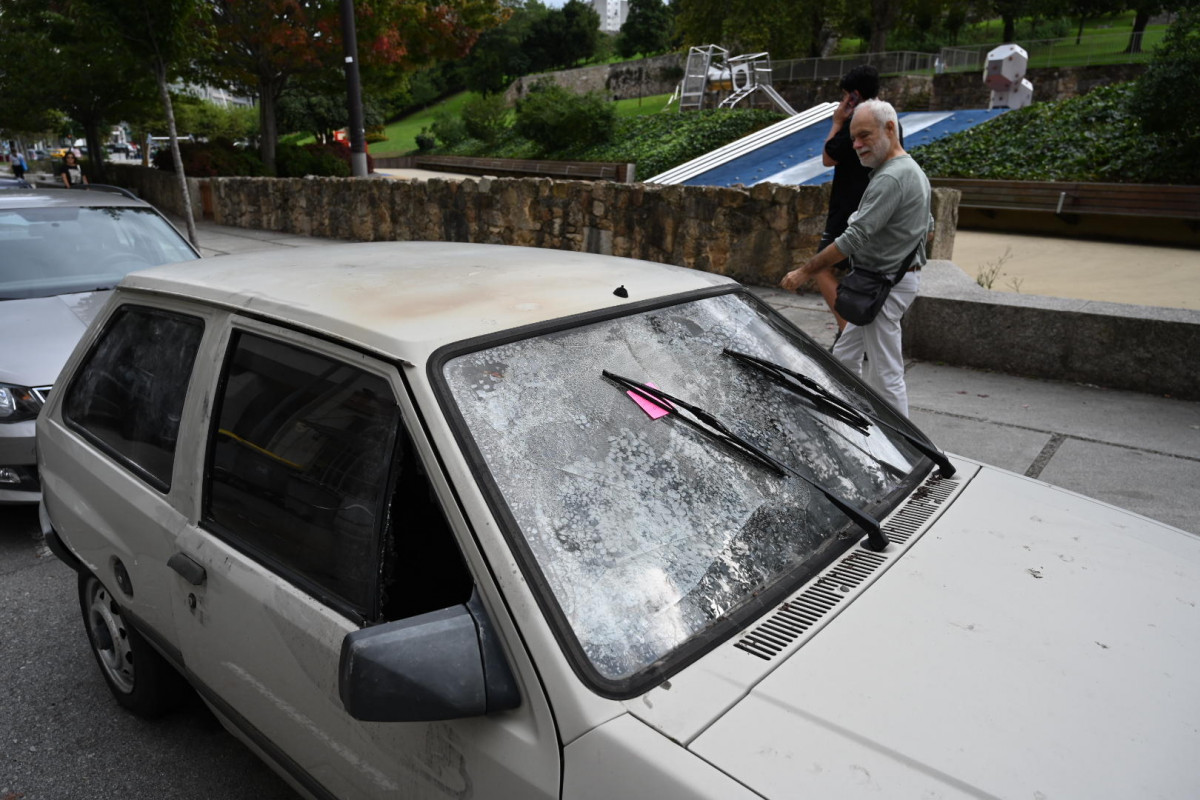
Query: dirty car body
[
  {"x": 426, "y": 520},
  {"x": 61, "y": 252}
]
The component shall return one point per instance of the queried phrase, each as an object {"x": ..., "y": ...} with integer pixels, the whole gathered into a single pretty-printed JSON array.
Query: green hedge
[{"x": 1095, "y": 137}]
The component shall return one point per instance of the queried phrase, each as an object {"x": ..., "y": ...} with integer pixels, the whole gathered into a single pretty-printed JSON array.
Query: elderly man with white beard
[{"x": 892, "y": 222}]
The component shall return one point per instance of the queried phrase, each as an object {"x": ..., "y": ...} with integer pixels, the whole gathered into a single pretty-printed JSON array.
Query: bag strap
[{"x": 907, "y": 263}]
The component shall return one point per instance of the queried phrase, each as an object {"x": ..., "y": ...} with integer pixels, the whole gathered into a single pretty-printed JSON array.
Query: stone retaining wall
[{"x": 754, "y": 235}]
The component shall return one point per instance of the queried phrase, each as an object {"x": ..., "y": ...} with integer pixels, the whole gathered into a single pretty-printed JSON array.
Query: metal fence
[
  {"x": 894, "y": 62},
  {"x": 1101, "y": 48}
]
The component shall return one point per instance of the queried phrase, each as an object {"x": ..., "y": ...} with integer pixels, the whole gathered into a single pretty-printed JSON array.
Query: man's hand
[
  {"x": 807, "y": 271},
  {"x": 797, "y": 277}
]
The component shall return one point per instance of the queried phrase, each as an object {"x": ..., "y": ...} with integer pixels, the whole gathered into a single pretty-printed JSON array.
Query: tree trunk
[
  {"x": 1010, "y": 27},
  {"x": 267, "y": 94},
  {"x": 1079, "y": 31},
  {"x": 169, "y": 110},
  {"x": 95, "y": 146},
  {"x": 1140, "y": 20}
]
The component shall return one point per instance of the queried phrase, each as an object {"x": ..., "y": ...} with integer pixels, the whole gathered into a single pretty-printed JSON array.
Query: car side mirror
[{"x": 446, "y": 664}]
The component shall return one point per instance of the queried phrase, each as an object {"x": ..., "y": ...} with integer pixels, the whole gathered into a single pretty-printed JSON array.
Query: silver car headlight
[{"x": 19, "y": 403}]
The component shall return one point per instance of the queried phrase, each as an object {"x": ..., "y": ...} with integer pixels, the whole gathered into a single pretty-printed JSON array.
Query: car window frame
[
  {"x": 373, "y": 363},
  {"x": 84, "y": 355},
  {"x": 723, "y": 628}
]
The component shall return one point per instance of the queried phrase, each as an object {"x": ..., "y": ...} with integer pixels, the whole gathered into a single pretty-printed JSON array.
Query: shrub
[
  {"x": 556, "y": 119},
  {"x": 218, "y": 158},
  {"x": 1090, "y": 138},
  {"x": 485, "y": 117},
  {"x": 426, "y": 140},
  {"x": 449, "y": 129},
  {"x": 296, "y": 161}
]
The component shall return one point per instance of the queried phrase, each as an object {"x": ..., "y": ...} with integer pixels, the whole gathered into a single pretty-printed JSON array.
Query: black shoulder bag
[{"x": 860, "y": 295}]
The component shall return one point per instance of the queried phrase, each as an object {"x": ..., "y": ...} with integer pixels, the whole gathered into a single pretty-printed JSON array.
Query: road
[{"x": 64, "y": 737}]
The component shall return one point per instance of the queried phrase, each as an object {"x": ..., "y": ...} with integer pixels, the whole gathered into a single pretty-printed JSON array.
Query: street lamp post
[{"x": 358, "y": 137}]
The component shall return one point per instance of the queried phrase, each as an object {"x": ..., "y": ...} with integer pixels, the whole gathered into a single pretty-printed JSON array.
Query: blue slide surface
[{"x": 796, "y": 159}]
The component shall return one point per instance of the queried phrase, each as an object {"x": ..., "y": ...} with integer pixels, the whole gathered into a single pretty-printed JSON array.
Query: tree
[
  {"x": 883, "y": 19},
  {"x": 563, "y": 36},
  {"x": 1008, "y": 11},
  {"x": 160, "y": 34},
  {"x": 260, "y": 46},
  {"x": 321, "y": 113},
  {"x": 784, "y": 28},
  {"x": 647, "y": 29},
  {"x": 1083, "y": 10},
  {"x": 1172, "y": 75},
  {"x": 1143, "y": 10},
  {"x": 502, "y": 54},
  {"x": 52, "y": 58}
]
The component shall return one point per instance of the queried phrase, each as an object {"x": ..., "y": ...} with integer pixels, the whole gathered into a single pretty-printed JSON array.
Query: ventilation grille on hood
[{"x": 800, "y": 613}]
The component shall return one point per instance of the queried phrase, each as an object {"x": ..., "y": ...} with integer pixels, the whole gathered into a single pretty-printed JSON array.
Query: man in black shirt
[{"x": 849, "y": 176}]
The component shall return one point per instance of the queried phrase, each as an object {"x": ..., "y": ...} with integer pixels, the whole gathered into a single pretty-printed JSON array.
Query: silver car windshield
[
  {"x": 645, "y": 530},
  {"x": 61, "y": 250}
]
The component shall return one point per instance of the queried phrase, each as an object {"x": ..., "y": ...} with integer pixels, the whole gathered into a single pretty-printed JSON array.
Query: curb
[{"x": 1117, "y": 345}]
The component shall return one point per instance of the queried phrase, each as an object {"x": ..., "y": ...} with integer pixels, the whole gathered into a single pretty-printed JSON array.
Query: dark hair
[{"x": 864, "y": 79}]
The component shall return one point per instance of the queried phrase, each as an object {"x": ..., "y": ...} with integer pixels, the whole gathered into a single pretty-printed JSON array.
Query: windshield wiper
[
  {"x": 828, "y": 403},
  {"x": 712, "y": 427}
]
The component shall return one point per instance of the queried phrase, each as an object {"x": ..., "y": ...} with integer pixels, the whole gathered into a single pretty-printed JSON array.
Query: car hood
[
  {"x": 39, "y": 334},
  {"x": 1031, "y": 643}
]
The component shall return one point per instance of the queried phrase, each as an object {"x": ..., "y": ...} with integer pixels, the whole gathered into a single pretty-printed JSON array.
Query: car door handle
[{"x": 192, "y": 572}]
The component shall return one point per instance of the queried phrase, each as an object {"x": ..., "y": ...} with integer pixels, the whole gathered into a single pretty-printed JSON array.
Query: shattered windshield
[{"x": 647, "y": 531}]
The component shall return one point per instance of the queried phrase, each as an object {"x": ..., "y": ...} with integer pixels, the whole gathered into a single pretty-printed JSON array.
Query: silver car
[{"x": 60, "y": 253}]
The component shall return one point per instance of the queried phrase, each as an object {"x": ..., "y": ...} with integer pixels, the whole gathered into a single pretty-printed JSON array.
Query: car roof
[
  {"x": 68, "y": 198},
  {"x": 406, "y": 299}
]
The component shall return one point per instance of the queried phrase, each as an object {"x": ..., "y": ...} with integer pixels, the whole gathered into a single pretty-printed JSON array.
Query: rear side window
[
  {"x": 127, "y": 397},
  {"x": 299, "y": 467}
]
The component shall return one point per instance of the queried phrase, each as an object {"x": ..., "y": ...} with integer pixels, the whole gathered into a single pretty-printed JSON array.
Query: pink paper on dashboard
[{"x": 649, "y": 406}]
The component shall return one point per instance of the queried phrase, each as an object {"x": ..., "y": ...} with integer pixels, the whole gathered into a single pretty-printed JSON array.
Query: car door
[
  {"x": 318, "y": 518},
  {"x": 111, "y": 459}
]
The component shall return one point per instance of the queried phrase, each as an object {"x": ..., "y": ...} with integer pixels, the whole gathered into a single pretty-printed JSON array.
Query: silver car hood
[
  {"x": 1032, "y": 643},
  {"x": 39, "y": 334}
]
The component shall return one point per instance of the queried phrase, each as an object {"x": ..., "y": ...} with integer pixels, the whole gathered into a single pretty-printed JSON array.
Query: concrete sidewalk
[{"x": 1136, "y": 451}]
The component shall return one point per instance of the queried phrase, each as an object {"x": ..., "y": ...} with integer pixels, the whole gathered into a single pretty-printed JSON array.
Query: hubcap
[{"x": 110, "y": 638}]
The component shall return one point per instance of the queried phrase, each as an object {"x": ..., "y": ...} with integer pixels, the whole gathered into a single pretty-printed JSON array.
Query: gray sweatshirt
[{"x": 892, "y": 218}]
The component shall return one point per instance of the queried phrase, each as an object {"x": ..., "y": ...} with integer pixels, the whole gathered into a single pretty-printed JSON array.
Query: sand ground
[{"x": 1144, "y": 275}]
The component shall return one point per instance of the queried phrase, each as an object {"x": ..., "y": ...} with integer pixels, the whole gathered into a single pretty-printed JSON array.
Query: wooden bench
[
  {"x": 1069, "y": 200},
  {"x": 524, "y": 168}
]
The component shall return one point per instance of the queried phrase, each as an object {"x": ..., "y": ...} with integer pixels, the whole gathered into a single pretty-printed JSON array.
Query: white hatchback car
[{"x": 426, "y": 520}]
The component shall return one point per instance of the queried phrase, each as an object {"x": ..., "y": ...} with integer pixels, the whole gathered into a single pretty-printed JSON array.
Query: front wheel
[{"x": 140, "y": 679}]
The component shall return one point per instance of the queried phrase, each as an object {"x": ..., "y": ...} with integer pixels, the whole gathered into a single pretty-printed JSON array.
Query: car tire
[{"x": 140, "y": 679}]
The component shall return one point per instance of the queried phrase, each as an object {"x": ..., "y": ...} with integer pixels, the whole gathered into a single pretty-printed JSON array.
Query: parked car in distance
[
  {"x": 60, "y": 253},
  {"x": 424, "y": 519}
]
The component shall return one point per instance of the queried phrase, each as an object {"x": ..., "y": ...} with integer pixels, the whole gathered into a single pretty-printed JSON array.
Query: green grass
[
  {"x": 402, "y": 134},
  {"x": 1102, "y": 43},
  {"x": 635, "y": 107}
]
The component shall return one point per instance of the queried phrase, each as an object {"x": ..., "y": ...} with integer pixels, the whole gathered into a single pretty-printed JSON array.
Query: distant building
[{"x": 612, "y": 14}]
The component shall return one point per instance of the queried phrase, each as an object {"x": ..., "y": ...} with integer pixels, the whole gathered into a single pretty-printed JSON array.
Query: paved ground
[{"x": 1136, "y": 451}]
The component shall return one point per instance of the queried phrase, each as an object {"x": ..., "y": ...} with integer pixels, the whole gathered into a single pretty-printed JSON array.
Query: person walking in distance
[
  {"x": 887, "y": 234},
  {"x": 71, "y": 172}
]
